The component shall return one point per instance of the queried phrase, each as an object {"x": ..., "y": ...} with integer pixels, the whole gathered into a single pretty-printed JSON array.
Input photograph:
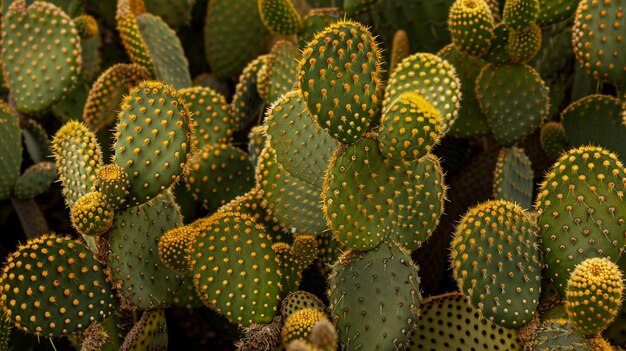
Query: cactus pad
[
  {"x": 143, "y": 281},
  {"x": 581, "y": 211},
  {"x": 511, "y": 117},
  {"x": 54, "y": 286},
  {"x": 152, "y": 139},
  {"x": 166, "y": 53},
  {"x": 524, "y": 45},
  {"x": 367, "y": 197},
  {"x": 553, "y": 139},
  {"x": 471, "y": 26},
  {"x": 112, "y": 181},
  {"x": 300, "y": 300},
  {"x": 315, "y": 21},
  {"x": 247, "y": 104},
  {"x": 302, "y": 148},
  {"x": 431, "y": 77},
  {"x": 559, "y": 334},
  {"x": 400, "y": 48},
  {"x": 595, "y": 119},
  {"x": 552, "y": 11},
  {"x": 281, "y": 70},
  {"x": 279, "y": 16},
  {"x": 374, "y": 296},
  {"x": 231, "y": 246},
  {"x": 410, "y": 127},
  {"x": 594, "y": 295},
  {"x": 496, "y": 262},
  {"x": 340, "y": 79},
  {"x": 92, "y": 214},
  {"x": 300, "y": 324},
  {"x": 598, "y": 39},
  {"x": 41, "y": 54},
  {"x": 513, "y": 177},
  {"x": 78, "y": 157},
  {"x": 218, "y": 173},
  {"x": 10, "y": 150},
  {"x": 518, "y": 15},
  {"x": 233, "y": 35},
  {"x": 448, "y": 321},
  {"x": 210, "y": 115},
  {"x": 107, "y": 92},
  {"x": 173, "y": 246}
]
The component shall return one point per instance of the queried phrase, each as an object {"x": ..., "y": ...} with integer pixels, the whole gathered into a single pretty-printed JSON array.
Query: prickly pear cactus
[
  {"x": 152, "y": 139},
  {"x": 374, "y": 297},
  {"x": 40, "y": 42},
  {"x": 581, "y": 208},
  {"x": 36, "y": 292},
  {"x": 342, "y": 65},
  {"x": 35, "y": 180},
  {"x": 11, "y": 150},
  {"x": 513, "y": 177},
  {"x": 500, "y": 238},
  {"x": 471, "y": 26},
  {"x": 279, "y": 16}
]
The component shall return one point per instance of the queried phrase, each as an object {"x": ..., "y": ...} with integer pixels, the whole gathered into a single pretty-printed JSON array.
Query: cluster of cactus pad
[{"x": 313, "y": 175}]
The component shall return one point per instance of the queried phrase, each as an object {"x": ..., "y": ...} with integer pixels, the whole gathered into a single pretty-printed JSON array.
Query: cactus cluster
[{"x": 313, "y": 175}]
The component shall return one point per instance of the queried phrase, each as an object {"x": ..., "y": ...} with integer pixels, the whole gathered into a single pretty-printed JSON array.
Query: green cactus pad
[
  {"x": 232, "y": 246},
  {"x": 594, "y": 295},
  {"x": 35, "y": 180},
  {"x": 449, "y": 321},
  {"x": 511, "y": 116},
  {"x": 315, "y": 21},
  {"x": 598, "y": 39},
  {"x": 496, "y": 262},
  {"x": 431, "y": 77},
  {"x": 247, "y": 105},
  {"x": 282, "y": 70},
  {"x": 54, "y": 286},
  {"x": 143, "y": 281},
  {"x": 298, "y": 325},
  {"x": 513, "y": 177},
  {"x": 112, "y": 181},
  {"x": 301, "y": 146},
  {"x": 149, "y": 333},
  {"x": 471, "y": 122},
  {"x": 292, "y": 201},
  {"x": 218, "y": 173},
  {"x": 173, "y": 247},
  {"x": 210, "y": 115},
  {"x": 340, "y": 79},
  {"x": 233, "y": 35},
  {"x": 595, "y": 119},
  {"x": 176, "y": 13},
  {"x": 126, "y": 20},
  {"x": 368, "y": 197},
  {"x": 279, "y": 16},
  {"x": 498, "y": 53},
  {"x": 471, "y": 26},
  {"x": 616, "y": 331},
  {"x": 86, "y": 26},
  {"x": 40, "y": 54},
  {"x": 78, "y": 157},
  {"x": 553, "y": 139},
  {"x": 166, "y": 52},
  {"x": 10, "y": 149},
  {"x": 524, "y": 45},
  {"x": 581, "y": 211},
  {"x": 251, "y": 203},
  {"x": 519, "y": 15},
  {"x": 559, "y": 334},
  {"x": 73, "y": 102},
  {"x": 552, "y": 11},
  {"x": 152, "y": 139},
  {"x": 91, "y": 57},
  {"x": 400, "y": 48},
  {"x": 409, "y": 128},
  {"x": 300, "y": 300},
  {"x": 92, "y": 214},
  {"x": 107, "y": 92},
  {"x": 374, "y": 296},
  {"x": 304, "y": 249},
  {"x": 291, "y": 272}
]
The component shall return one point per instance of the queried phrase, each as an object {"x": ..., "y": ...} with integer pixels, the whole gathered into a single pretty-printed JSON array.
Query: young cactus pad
[
  {"x": 496, "y": 262},
  {"x": 340, "y": 79},
  {"x": 54, "y": 286},
  {"x": 581, "y": 211},
  {"x": 152, "y": 139}
]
